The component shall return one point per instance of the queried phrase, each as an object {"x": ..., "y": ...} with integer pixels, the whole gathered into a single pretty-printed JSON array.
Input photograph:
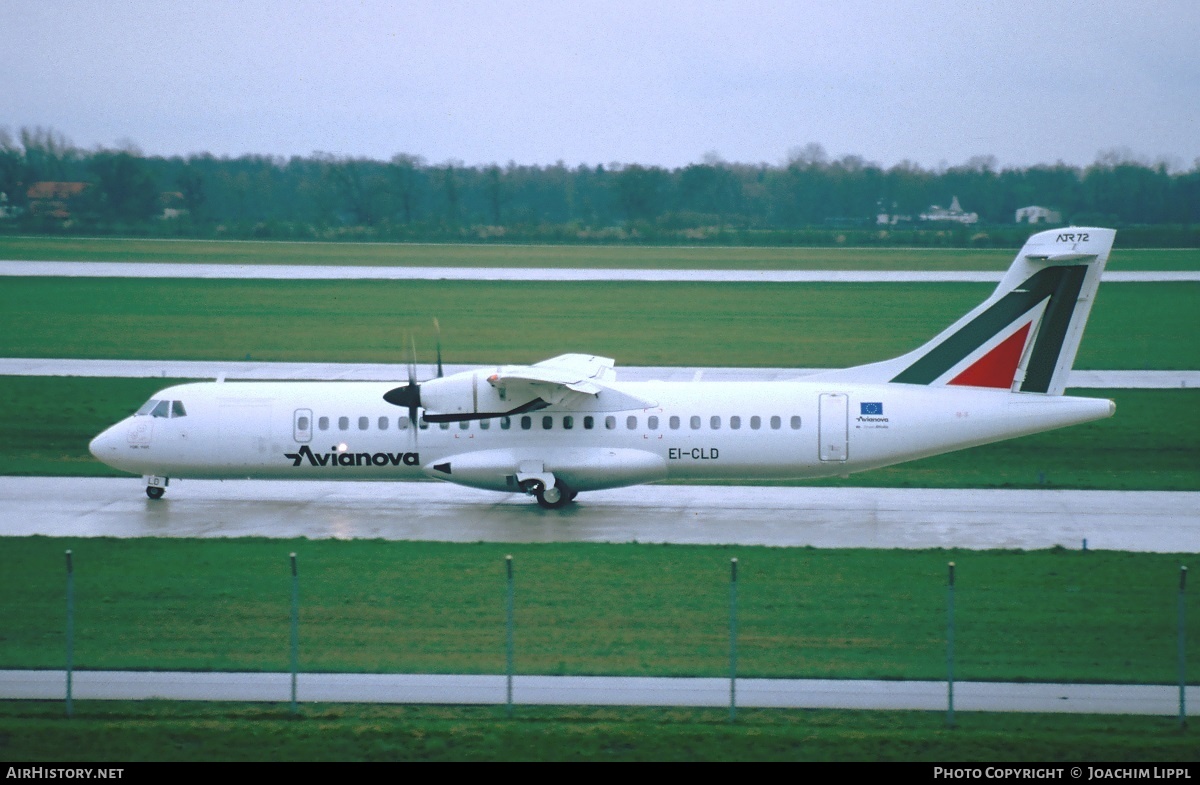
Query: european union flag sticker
[{"x": 871, "y": 408}]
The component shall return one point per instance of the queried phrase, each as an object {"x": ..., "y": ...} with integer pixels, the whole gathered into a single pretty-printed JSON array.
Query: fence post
[
  {"x": 1182, "y": 652},
  {"x": 733, "y": 639},
  {"x": 508, "y": 637},
  {"x": 295, "y": 632},
  {"x": 70, "y": 633},
  {"x": 950, "y": 648}
]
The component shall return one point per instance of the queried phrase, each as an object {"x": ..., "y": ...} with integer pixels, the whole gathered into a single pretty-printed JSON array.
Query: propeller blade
[
  {"x": 437, "y": 328},
  {"x": 408, "y": 396},
  {"x": 412, "y": 361}
]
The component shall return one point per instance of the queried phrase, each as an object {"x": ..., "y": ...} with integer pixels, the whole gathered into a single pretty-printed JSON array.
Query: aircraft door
[
  {"x": 833, "y": 429},
  {"x": 245, "y": 432},
  {"x": 302, "y": 426}
]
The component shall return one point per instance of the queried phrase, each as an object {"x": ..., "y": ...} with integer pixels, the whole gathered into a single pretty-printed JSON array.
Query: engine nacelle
[
  {"x": 467, "y": 395},
  {"x": 580, "y": 468}
]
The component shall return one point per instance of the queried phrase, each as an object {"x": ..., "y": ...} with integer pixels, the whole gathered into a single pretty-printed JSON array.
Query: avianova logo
[
  {"x": 871, "y": 411},
  {"x": 354, "y": 458}
]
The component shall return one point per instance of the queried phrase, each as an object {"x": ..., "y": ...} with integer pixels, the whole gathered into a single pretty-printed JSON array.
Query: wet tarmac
[
  {"x": 790, "y": 517},
  {"x": 318, "y": 272}
]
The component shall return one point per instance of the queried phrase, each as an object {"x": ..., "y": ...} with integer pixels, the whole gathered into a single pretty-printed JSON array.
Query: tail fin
[{"x": 1024, "y": 337}]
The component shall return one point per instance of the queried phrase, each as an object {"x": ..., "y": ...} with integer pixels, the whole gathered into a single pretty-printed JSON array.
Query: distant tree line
[{"x": 809, "y": 199}]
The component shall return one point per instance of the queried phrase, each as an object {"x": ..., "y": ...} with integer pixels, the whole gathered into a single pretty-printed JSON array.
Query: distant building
[
  {"x": 53, "y": 199},
  {"x": 952, "y": 213},
  {"x": 1038, "y": 215},
  {"x": 885, "y": 218},
  {"x": 172, "y": 205}
]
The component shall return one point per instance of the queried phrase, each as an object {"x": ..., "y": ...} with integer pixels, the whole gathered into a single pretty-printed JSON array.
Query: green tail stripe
[
  {"x": 1060, "y": 284},
  {"x": 1048, "y": 345}
]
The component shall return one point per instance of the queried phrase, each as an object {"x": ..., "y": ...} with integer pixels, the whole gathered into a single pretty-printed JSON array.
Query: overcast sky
[{"x": 658, "y": 82}]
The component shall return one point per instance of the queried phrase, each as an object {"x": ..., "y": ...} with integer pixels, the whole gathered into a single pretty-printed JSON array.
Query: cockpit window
[{"x": 164, "y": 409}]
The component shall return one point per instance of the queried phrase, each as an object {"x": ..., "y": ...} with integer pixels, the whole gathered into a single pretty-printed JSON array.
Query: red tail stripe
[{"x": 998, "y": 367}]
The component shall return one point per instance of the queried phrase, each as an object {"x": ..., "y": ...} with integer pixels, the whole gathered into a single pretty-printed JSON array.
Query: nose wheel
[{"x": 156, "y": 486}]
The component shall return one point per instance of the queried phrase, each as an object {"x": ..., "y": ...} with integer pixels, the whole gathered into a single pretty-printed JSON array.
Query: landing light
[{"x": 342, "y": 447}]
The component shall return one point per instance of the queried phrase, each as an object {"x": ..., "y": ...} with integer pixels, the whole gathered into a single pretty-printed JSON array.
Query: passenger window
[
  {"x": 547, "y": 422},
  {"x": 631, "y": 422},
  {"x": 445, "y": 426},
  {"x": 610, "y": 422},
  {"x": 302, "y": 423},
  {"x": 775, "y": 423},
  {"x": 364, "y": 423},
  {"x": 652, "y": 423},
  {"x": 695, "y": 422},
  {"x": 343, "y": 423},
  {"x": 402, "y": 423},
  {"x": 735, "y": 422},
  {"x": 423, "y": 424},
  {"x": 589, "y": 423},
  {"x": 323, "y": 423},
  {"x": 485, "y": 424},
  {"x": 177, "y": 410},
  {"x": 568, "y": 422},
  {"x": 715, "y": 423},
  {"x": 464, "y": 424},
  {"x": 383, "y": 423},
  {"x": 795, "y": 422},
  {"x": 674, "y": 423},
  {"x": 505, "y": 423},
  {"x": 526, "y": 423},
  {"x": 755, "y": 423},
  {"x": 162, "y": 409}
]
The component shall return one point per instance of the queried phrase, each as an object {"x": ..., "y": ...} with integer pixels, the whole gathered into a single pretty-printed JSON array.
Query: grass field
[
  {"x": 737, "y": 325},
  {"x": 1149, "y": 445},
  {"x": 158, "y": 731},
  {"x": 580, "y": 609},
  {"x": 449, "y": 255}
]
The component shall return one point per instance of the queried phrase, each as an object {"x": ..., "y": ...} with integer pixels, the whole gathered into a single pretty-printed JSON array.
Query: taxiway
[
  {"x": 296, "y": 272},
  {"x": 1153, "y": 521}
]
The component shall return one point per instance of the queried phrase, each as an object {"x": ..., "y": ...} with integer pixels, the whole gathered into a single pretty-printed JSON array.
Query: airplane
[{"x": 564, "y": 426}]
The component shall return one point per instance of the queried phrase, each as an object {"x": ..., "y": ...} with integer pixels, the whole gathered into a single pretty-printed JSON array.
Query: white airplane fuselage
[
  {"x": 697, "y": 431},
  {"x": 566, "y": 424}
]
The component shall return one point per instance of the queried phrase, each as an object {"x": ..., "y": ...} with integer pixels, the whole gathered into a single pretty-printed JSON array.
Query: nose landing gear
[{"x": 156, "y": 486}]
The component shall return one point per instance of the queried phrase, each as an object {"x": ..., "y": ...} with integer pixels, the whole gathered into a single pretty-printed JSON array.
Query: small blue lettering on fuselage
[
  {"x": 1072, "y": 237},
  {"x": 354, "y": 458},
  {"x": 695, "y": 453}
]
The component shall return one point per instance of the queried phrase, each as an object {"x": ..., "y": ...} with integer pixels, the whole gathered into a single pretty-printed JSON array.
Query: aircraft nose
[{"x": 104, "y": 446}]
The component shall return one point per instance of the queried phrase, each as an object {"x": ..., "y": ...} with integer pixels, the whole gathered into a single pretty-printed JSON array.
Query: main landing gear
[
  {"x": 552, "y": 498},
  {"x": 156, "y": 486}
]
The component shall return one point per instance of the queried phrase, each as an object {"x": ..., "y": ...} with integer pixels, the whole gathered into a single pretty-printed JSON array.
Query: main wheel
[
  {"x": 155, "y": 492},
  {"x": 553, "y": 498}
]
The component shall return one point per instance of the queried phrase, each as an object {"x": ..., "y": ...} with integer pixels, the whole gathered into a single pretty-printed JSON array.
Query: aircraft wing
[
  {"x": 555, "y": 379},
  {"x": 568, "y": 381}
]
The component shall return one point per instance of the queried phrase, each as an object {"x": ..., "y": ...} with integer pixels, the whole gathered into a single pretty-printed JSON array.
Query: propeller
[{"x": 409, "y": 395}]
